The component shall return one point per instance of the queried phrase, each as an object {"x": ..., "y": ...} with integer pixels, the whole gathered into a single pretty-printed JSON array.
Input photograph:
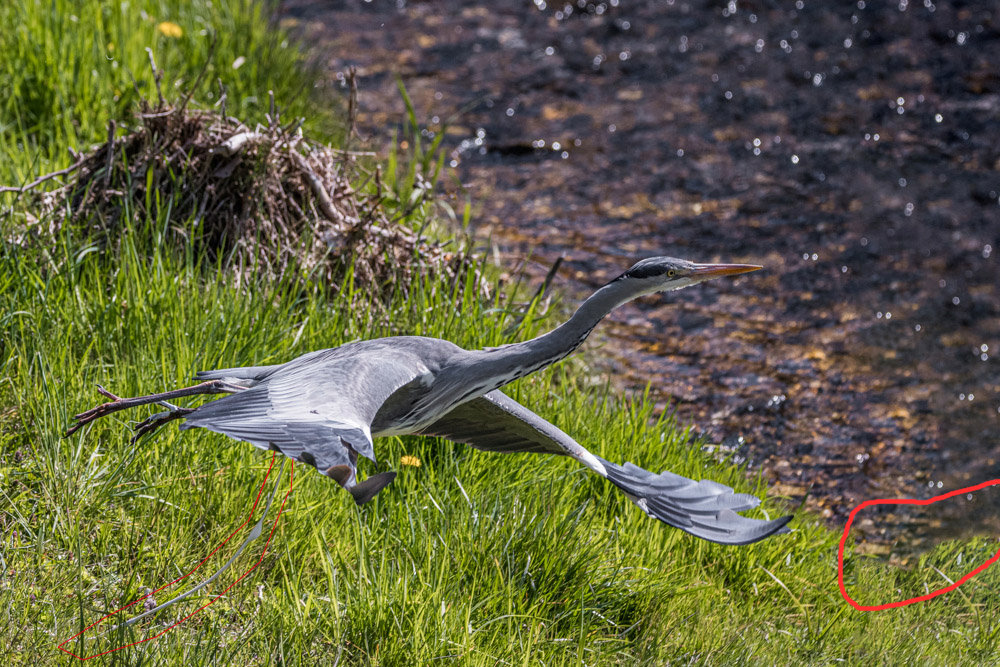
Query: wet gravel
[{"x": 851, "y": 148}]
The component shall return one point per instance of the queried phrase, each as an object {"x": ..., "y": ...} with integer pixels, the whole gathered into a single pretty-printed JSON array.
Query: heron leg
[{"x": 116, "y": 403}]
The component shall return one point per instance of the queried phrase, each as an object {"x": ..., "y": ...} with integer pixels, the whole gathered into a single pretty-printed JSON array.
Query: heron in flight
[{"x": 326, "y": 407}]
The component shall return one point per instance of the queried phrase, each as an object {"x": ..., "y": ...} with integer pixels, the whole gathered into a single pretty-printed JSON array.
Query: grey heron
[{"x": 325, "y": 408}]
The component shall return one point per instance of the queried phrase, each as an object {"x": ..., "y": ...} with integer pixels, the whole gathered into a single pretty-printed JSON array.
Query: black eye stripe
[{"x": 645, "y": 272}]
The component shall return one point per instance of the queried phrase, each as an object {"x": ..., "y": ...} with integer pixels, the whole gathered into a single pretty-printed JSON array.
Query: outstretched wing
[
  {"x": 249, "y": 416},
  {"x": 706, "y": 509},
  {"x": 317, "y": 408}
]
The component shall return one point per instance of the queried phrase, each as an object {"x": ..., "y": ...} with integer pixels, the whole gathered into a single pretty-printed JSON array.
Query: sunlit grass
[
  {"x": 471, "y": 557},
  {"x": 68, "y": 67},
  {"x": 483, "y": 557}
]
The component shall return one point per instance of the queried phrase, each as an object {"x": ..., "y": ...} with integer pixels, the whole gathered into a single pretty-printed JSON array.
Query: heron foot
[
  {"x": 153, "y": 422},
  {"x": 90, "y": 415},
  {"x": 117, "y": 403}
]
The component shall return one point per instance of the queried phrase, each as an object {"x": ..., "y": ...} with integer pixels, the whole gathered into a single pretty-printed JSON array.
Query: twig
[
  {"x": 197, "y": 80},
  {"x": 293, "y": 127},
  {"x": 157, "y": 75},
  {"x": 341, "y": 151},
  {"x": 41, "y": 179},
  {"x": 157, "y": 114},
  {"x": 223, "y": 95},
  {"x": 107, "y": 394},
  {"x": 111, "y": 150},
  {"x": 352, "y": 104},
  {"x": 135, "y": 88},
  {"x": 235, "y": 143},
  {"x": 325, "y": 204}
]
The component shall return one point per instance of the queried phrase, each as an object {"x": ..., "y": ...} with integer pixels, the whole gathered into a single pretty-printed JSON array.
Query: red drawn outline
[
  {"x": 213, "y": 600},
  {"x": 906, "y": 501}
]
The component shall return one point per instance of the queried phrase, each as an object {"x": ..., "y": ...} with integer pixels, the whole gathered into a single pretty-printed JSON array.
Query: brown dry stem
[{"x": 262, "y": 199}]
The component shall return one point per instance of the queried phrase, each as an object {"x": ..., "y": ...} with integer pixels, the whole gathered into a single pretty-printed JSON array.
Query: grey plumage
[
  {"x": 326, "y": 407},
  {"x": 706, "y": 509}
]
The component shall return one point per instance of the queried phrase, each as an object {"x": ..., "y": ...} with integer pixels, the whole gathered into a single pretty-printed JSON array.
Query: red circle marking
[
  {"x": 274, "y": 525},
  {"x": 906, "y": 501}
]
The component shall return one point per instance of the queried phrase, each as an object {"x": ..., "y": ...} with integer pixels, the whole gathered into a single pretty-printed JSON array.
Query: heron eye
[{"x": 670, "y": 273}]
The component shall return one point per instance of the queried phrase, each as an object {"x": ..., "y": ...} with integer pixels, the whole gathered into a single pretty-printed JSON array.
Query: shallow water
[{"x": 852, "y": 149}]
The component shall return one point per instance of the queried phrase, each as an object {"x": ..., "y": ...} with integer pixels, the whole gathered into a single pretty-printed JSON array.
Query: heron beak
[{"x": 706, "y": 271}]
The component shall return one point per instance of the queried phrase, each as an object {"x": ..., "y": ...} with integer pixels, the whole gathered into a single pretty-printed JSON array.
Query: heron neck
[
  {"x": 473, "y": 373},
  {"x": 520, "y": 359}
]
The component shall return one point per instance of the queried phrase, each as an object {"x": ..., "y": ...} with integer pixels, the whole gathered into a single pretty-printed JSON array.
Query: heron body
[{"x": 326, "y": 407}]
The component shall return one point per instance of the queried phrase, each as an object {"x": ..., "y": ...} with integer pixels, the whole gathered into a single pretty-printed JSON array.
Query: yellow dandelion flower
[
  {"x": 410, "y": 461},
  {"x": 170, "y": 29}
]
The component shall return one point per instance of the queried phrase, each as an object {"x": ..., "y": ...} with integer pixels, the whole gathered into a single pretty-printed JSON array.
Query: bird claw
[
  {"x": 117, "y": 403},
  {"x": 148, "y": 424},
  {"x": 153, "y": 422},
  {"x": 97, "y": 412}
]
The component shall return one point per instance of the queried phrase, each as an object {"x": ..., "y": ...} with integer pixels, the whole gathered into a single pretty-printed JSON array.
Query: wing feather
[
  {"x": 706, "y": 509},
  {"x": 316, "y": 408},
  {"x": 497, "y": 423},
  {"x": 255, "y": 373},
  {"x": 245, "y": 416}
]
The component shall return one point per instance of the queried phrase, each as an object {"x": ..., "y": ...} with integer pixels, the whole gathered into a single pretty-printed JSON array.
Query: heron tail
[{"x": 705, "y": 509}]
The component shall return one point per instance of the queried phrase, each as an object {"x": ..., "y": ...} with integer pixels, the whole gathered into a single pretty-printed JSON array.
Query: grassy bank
[
  {"x": 69, "y": 67},
  {"x": 471, "y": 557}
]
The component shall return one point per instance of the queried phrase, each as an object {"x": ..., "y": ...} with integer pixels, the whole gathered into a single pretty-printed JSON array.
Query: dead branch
[
  {"x": 259, "y": 199},
  {"x": 47, "y": 177}
]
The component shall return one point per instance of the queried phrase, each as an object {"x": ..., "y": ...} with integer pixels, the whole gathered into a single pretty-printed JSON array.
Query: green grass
[
  {"x": 68, "y": 68},
  {"x": 473, "y": 558},
  {"x": 486, "y": 557}
]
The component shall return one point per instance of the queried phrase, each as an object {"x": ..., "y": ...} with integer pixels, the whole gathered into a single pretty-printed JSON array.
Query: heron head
[{"x": 661, "y": 274}]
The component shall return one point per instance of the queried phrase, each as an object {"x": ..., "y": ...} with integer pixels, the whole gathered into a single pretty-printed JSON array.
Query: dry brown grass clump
[{"x": 262, "y": 199}]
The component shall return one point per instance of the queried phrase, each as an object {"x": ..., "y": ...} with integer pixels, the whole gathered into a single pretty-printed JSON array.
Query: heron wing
[
  {"x": 248, "y": 416},
  {"x": 495, "y": 422},
  {"x": 243, "y": 373},
  {"x": 318, "y": 408}
]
